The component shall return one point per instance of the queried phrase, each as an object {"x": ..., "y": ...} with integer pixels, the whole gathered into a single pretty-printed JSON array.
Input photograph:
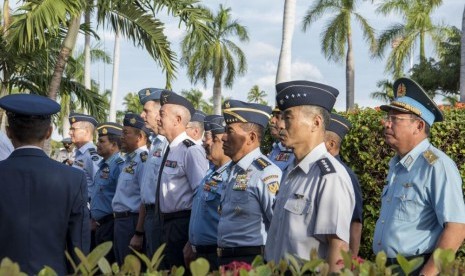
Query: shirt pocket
[
  {"x": 407, "y": 206},
  {"x": 298, "y": 206},
  {"x": 241, "y": 197}
]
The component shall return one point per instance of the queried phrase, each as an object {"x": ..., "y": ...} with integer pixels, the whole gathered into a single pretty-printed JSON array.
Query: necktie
[{"x": 162, "y": 166}]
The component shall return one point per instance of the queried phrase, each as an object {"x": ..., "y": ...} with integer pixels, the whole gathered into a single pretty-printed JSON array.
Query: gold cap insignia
[
  {"x": 227, "y": 105},
  {"x": 147, "y": 92},
  {"x": 73, "y": 119},
  {"x": 133, "y": 121},
  {"x": 401, "y": 90},
  {"x": 104, "y": 130}
]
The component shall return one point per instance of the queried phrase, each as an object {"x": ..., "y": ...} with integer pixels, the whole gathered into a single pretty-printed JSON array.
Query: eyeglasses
[{"x": 396, "y": 118}]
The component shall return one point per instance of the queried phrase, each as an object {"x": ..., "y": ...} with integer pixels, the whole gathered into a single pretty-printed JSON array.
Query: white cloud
[
  {"x": 306, "y": 71},
  {"x": 261, "y": 49}
]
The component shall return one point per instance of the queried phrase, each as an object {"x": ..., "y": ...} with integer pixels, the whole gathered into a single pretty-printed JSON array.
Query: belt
[
  {"x": 104, "y": 220},
  {"x": 426, "y": 256},
  {"x": 149, "y": 206},
  {"x": 204, "y": 249},
  {"x": 124, "y": 214},
  {"x": 176, "y": 215},
  {"x": 239, "y": 251}
]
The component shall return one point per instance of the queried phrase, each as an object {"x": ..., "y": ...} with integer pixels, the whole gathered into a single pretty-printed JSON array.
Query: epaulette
[
  {"x": 188, "y": 143},
  {"x": 143, "y": 156},
  {"x": 94, "y": 155},
  {"x": 261, "y": 163},
  {"x": 326, "y": 167},
  {"x": 430, "y": 156},
  {"x": 119, "y": 160}
]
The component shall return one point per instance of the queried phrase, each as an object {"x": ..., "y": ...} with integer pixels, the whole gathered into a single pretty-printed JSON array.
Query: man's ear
[{"x": 49, "y": 132}]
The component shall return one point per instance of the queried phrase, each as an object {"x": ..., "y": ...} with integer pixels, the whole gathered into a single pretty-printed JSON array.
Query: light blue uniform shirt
[
  {"x": 203, "y": 226},
  {"x": 184, "y": 169},
  {"x": 87, "y": 159},
  {"x": 5, "y": 146},
  {"x": 105, "y": 186},
  {"x": 152, "y": 169},
  {"x": 247, "y": 200},
  {"x": 127, "y": 195},
  {"x": 281, "y": 156},
  {"x": 423, "y": 192}
]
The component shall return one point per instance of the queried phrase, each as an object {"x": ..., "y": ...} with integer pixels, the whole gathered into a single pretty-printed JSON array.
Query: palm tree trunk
[
  {"x": 350, "y": 73},
  {"x": 6, "y": 25},
  {"x": 422, "y": 46},
  {"x": 217, "y": 96},
  {"x": 462, "y": 60},
  {"x": 114, "y": 85},
  {"x": 62, "y": 59},
  {"x": 87, "y": 53},
  {"x": 285, "y": 56}
]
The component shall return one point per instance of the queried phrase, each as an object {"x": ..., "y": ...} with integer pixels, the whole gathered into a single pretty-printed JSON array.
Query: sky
[{"x": 263, "y": 20}]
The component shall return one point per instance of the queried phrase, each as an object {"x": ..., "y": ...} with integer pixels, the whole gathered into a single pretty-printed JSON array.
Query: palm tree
[
  {"x": 284, "y": 64},
  {"x": 385, "y": 94},
  {"x": 256, "y": 95},
  {"x": 462, "y": 60},
  {"x": 217, "y": 56},
  {"x": 132, "y": 103},
  {"x": 403, "y": 37},
  {"x": 195, "y": 97},
  {"x": 337, "y": 36}
]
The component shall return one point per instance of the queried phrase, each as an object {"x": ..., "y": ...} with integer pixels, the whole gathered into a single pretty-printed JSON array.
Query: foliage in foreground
[{"x": 96, "y": 264}]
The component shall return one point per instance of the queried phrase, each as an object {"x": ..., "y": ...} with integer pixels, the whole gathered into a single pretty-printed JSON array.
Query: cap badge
[
  {"x": 132, "y": 121},
  {"x": 147, "y": 92},
  {"x": 401, "y": 90},
  {"x": 227, "y": 105},
  {"x": 73, "y": 119},
  {"x": 104, "y": 130}
]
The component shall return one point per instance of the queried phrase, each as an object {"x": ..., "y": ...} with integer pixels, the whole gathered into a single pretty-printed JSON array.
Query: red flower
[{"x": 235, "y": 267}]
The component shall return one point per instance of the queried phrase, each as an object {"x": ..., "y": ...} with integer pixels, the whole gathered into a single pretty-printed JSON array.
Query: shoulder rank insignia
[
  {"x": 188, "y": 143},
  {"x": 119, "y": 161},
  {"x": 261, "y": 163},
  {"x": 143, "y": 156},
  {"x": 325, "y": 166},
  {"x": 430, "y": 157}
]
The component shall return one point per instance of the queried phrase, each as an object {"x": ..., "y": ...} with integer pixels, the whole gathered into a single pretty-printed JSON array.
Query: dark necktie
[{"x": 162, "y": 166}]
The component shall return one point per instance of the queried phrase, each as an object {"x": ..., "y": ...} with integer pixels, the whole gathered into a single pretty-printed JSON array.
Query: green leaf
[
  {"x": 104, "y": 266},
  {"x": 381, "y": 259},
  {"x": 157, "y": 257},
  {"x": 199, "y": 267}
]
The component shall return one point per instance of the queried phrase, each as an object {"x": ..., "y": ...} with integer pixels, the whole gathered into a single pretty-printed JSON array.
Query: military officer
[
  {"x": 422, "y": 205},
  {"x": 315, "y": 203},
  {"x": 150, "y": 99},
  {"x": 280, "y": 155},
  {"x": 85, "y": 156},
  {"x": 249, "y": 192},
  {"x": 184, "y": 167},
  {"x": 65, "y": 155},
  {"x": 108, "y": 146},
  {"x": 203, "y": 226},
  {"x": 195, "y": 128},
  {"x": 128, "y": 229},
  {"x": 43, "y": 202},
  {"x": 335, "y": 133}
]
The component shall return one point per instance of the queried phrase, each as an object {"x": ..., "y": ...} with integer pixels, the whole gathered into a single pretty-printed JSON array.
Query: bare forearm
[
  {"x": 336, "y": 245},
  {"x": 355, "y": 236},
  {"x": 451, "y": 238}
]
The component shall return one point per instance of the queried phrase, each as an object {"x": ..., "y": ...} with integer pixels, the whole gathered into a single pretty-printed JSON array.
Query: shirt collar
[
  {"x": 410, "y": 158},
  {"x": 246, "y": 160},
  {"x": 131, "y": 155},
  {"x": 85, "y": 147},
  {"x": 110, "y": 159},
  {"x": 312, "y": 157},
  {"x": 181, "y": 137}
]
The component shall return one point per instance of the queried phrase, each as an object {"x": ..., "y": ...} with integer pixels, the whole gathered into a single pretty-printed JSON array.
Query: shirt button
[
  {"x": 388, "y": 200},
  {"x": 382, "y": 221},
  {"x": 379, "y": 243}
]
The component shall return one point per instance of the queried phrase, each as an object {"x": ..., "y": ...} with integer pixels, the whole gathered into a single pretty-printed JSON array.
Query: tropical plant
[
  {"x": 337, "y": 36},
  {"x": 195, "y": 97},
  {"x": 256, "y": 95},
  {"x": 385, "y": 92},
  {"x": 132, "y": 103},
  {"x": 217, "y": 55},
  {"x": 285, "y": 55},
  {"x": 403, "y": 37},
  {"x": 462, "y": 58}
]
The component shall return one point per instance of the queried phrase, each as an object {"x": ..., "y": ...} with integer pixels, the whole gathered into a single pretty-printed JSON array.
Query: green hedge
[{"x": 366, "y": 152}]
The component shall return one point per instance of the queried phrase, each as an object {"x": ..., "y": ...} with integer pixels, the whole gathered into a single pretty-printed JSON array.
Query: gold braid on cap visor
[{"x": 408, "y": 107}]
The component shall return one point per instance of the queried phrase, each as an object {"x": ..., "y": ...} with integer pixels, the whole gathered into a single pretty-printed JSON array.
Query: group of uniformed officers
[{"x": 201, "y": 184}]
